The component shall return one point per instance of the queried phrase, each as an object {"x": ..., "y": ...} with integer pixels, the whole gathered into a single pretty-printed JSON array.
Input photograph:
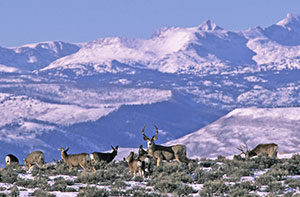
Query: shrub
[
  {"x": 275, "y": 188},
  {"x": 119, "y": 184},
  {"x": 278, "y": 173},
  {"x": 138, "y": 179},
  {"x": 8, "y": 175},
  {"x": 96, "y": 177},
  {"x": 42, "y": 193},
  {"x": 92, "y": 192},
  {"x": 14, "y": 191},
  {"x": 293, "y": 183},
  {"x": 184, "y": 190},
  {"x": 166, "y": 186},
  {"x": 27, "y": 183},
  {"x": 264, "y": 180},
  {"x": 70, "y": 189},
  {"x": 214, "y": 188},
  {"x": 202, "y": 176},
  {"x": 264, "y": 162},
  {"x": 15, "y": 167}
]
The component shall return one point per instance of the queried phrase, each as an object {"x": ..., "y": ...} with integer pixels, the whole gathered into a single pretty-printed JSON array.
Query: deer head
[
  {"x": 115, "y": 149},
  {"x": 150, "y": 141},
  {"x": 244, "y": 150}
]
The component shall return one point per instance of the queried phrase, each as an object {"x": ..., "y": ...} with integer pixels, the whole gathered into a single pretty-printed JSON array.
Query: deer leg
[
  {"x": 177, "y": 157},
  {"x": 158, "y": 161},
  {"x": 83, "y": 166},
  {"x": 70, "y": 168},
  {"x": 135, "y": 173}
]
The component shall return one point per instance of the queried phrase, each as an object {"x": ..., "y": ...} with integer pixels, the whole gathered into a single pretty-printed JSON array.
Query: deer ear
[
  {"x": 117, "y": 147},
  {"x": 67, "y": 149},
  {"x": 146, "y": 138},
  {"x": 154, "y": 138}
]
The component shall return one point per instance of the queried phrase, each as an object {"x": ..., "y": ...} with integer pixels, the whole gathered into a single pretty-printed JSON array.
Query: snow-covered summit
[
  {"x": 193, "y": 50},
  {"x": 35, "y": 56},
  {"x": 290, "y": 21},
  {"x": 209, "y": 26}
]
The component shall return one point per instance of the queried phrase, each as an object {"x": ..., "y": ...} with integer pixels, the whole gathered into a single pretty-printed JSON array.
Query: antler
[
  {"x": 156, "y": 133},
  {"x": 143, "y": 132},
  {"x": 241, "y": 148}
]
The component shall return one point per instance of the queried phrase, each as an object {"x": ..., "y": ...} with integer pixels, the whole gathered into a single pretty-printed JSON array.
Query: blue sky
[{"x": 31, "y": 21}]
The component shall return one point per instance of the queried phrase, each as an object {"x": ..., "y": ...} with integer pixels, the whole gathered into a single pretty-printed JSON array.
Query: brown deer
[
  {"x": 10, "y": 159},
  {"x": 261, "y": 149},
  {"x": 143, "y": 156},
  {"x": 135, "y": 165},
  {"x": 108, "y": 157},
  {"x": 75, "y": 160},
  {"x": 168, "y": 153},
  {"x": 34, "y": 158}
]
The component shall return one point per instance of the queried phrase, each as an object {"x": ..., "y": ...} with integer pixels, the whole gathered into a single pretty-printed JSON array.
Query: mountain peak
[
  {"x": 209, "y": 26},
  {"x": 290, "y": 20}
]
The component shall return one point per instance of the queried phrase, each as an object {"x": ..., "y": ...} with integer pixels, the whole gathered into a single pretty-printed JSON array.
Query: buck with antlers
[
  {"x": 261, "y": 149},
  {"x": 168, "y": 153}
]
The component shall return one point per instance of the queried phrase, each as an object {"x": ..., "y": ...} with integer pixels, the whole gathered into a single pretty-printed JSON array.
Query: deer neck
[
  {"x": 64, "y": 155},
  {"x": 151, "y": 149}
]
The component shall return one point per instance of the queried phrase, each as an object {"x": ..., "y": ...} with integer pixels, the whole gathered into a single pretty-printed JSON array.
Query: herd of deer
[{"x": 139, "y": 164}]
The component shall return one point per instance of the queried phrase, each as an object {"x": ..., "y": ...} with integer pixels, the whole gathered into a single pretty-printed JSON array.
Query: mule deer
[
  {"x": 261, "y": 149},
  {"x": 135, "y": 165},
  {"x": 143, "y": 156},
  {"x": 75, "y": 160},
  {"x": 168, "y": 153},
  {"x": 108, "y": 157},
  {"x": 10, "y": 159},
  {"x": 34, "y": 158}
]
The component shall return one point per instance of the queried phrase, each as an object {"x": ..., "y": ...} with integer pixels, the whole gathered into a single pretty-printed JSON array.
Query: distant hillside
[{"x": 246, "y": 125}]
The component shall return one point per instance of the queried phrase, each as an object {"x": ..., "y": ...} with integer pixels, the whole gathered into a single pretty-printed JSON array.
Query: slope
[{"x": 245, "y": 125}]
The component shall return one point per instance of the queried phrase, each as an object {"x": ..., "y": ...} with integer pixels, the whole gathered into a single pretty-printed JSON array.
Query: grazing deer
[
  {"x": 75, "y": 160},
  {"x": 135, "y": 165},
  {"x": 143, "y": 156},
  {"x": 10, "y": 159},
  {"x": 168, "y": 153},
  {"x": 34, "y": 158},
  {"x": 261, "y": 149}
]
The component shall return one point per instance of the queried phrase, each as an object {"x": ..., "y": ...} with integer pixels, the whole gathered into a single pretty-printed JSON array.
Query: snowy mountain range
[{"x": 92, "y": 95}]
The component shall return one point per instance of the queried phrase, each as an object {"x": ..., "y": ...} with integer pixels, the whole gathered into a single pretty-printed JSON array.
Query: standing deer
[
  {"x": 34, "y": 158},
  {"x": 168, "y": 153},
  {"x": 261, "y": 149},
  {"x": 10, "y": 159},
  {"x": 143, "y": 156},
  {"x": 75, "y": 160},
  {"x": 108, "y": 157},
  {"x": 135, "y": 165}
]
